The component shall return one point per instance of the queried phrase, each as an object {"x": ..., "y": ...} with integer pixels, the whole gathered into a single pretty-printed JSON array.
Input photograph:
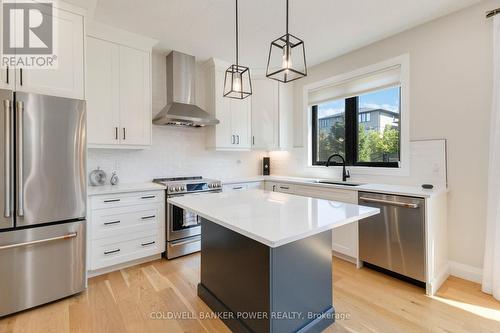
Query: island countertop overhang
[{"x": 271, "y": 218}]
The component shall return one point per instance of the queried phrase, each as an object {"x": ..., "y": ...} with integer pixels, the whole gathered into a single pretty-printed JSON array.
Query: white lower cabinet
[
  {"x": 345, "y": 238},
  {"x": 279, "y": 187},
  {"x": 242, "y": 186},
  {"x": 125, "y": 227}
]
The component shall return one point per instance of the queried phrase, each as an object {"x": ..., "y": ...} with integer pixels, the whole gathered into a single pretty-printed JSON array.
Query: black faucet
[{"x": 345, "y": 173}]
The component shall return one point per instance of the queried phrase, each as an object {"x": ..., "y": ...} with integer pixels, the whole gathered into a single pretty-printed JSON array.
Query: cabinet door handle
[
  {"x": 233, "y": 139},
  {"x": 116, "y": 133},
  {"x": 148, "y": 243},
  {"x": 112, "y": 222},
  {"x": 253, "y": 140},
  {"x": 238, "y": 139},
  {"x": 21, "y": 76},
  {"x": 148, "y": 217},
  {"x": 124, "y": 133},
  {"x": 284, "y": 187},
  {"x": 238, "y": 188},
  {"x": 111, "y": 200},
  {"x": 148, "y": 197},
  {"x": 112, "y": 251},
  {"x": 7, "y": 77}
]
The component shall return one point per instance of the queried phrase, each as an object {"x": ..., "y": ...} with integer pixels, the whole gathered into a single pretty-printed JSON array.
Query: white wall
[
  {"x": 175, "y": 151},
  {"x": 450, "y": 97}
]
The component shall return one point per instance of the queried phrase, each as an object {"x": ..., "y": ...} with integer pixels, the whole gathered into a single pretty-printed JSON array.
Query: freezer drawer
[
  {"x": 395, "y": 238},
  {"x": 40, "y": 265}
]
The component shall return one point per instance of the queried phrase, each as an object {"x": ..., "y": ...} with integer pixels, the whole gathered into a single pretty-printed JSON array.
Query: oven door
[{"x": 181, "y": 223}]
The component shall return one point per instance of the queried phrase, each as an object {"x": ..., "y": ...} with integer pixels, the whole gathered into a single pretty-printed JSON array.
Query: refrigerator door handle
[
  {"x": 46, "y": 240},
  {"x": 19, "y": 180},
  {"x": 7, "y": 157}
]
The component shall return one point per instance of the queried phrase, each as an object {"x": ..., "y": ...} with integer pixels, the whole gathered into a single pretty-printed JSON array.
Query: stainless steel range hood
[{"x": 180, "y": 109}]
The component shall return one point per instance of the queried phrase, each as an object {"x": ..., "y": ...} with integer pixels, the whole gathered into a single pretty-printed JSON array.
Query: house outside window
[{"x": 364, "y": 129}]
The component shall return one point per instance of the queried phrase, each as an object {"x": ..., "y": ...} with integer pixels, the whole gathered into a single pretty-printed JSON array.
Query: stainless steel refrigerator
[{"x": 42, "y": 199}]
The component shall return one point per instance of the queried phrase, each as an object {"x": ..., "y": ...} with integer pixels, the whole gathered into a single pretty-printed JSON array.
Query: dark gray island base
[{"x": 257, "y": 288}]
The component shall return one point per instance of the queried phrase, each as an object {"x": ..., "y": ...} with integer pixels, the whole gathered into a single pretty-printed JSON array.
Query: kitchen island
[{"x": 266, "y": 258}]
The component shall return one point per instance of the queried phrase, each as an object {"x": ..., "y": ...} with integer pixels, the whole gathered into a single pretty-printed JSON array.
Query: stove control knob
[
  {"x": 183, "y": 188},
  {"x": 172, "y": 189},
  {"x": 178, "y": 188},
  {"x": 211, "y": 185}
]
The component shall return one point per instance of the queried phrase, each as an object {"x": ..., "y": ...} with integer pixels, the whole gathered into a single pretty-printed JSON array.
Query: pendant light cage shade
[
  {"x": 237, "y": 83},
  {"x": 287, "y": 59}
]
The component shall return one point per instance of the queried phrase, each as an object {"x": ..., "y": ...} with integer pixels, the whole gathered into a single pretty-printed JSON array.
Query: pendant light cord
[
  {"x": 237, "y": 33},
  {"x": 287, "y": 17}
]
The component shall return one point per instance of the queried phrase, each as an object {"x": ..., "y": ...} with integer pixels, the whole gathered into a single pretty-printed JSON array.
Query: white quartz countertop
[
  {"x": 123, "y": 188},
  {"x": 407, "y": 190},
  {"x": 272, "y": 218}
]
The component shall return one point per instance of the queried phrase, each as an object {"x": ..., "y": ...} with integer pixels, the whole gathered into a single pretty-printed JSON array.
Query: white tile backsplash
[{"x": 175, "y": 152}]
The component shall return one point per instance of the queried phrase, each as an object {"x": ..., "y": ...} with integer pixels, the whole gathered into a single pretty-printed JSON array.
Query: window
[{"x": 363, "y": 129}]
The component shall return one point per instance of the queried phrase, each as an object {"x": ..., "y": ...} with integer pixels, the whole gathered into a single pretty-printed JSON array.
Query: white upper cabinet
[
  {"x": 135, "y": 96},
  {"x": 118, "y": 88},
  {"x": 103, "y": 95},
  {"x": 7, "y": 78},
  {"x": 67, "y": 78},
  {"x": 241, "y": 117},
  {"x": 272, "y": 110},
  {"x": 235, "y": 116},
  {"x": 265, "y": 114}
]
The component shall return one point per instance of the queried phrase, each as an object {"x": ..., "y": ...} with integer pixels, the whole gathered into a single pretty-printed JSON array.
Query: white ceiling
[{"x": 205, "y": 28}]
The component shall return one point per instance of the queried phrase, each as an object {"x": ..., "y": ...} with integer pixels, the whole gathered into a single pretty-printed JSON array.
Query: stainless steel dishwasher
[{"x": 394, "y": 239}]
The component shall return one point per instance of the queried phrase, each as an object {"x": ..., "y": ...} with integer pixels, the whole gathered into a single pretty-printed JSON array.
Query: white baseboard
[
  {"x": 127, "y": 264},
  {"x": 466, "y": 272},
  {"x": 344, "y": 257},
  {"x": 433, "y": 287}
]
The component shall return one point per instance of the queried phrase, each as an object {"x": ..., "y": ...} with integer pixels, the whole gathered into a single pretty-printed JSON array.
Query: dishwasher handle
[{"x": 388, "y": 202}]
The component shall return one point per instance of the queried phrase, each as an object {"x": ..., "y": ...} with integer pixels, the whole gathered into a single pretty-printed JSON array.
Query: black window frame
[{"x": 351, "y": 137}]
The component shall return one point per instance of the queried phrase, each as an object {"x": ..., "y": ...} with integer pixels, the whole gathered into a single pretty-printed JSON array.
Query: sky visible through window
[{"x": 387, "y": 99}]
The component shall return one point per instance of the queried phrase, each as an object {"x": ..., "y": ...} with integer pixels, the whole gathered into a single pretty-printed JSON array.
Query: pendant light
[
  {"x": 237, "y": 82},
  {"x": 287, "y": 57}
]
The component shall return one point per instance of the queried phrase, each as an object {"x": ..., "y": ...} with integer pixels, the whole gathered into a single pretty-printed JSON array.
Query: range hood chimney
[{"x": 180, "y": 109}]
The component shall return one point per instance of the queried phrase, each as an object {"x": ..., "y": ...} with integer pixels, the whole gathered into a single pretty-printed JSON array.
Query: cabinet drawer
[
  {"x": 127, "y": 199},
  {"x": 285, "y": 188},
  {"x": 117, "y": 250},
  {"x": 235, "y": 187},
  {"x": 333, "y": 194},
  {"x": 279, "y": 187},
  {"x": 122, "y": 220}
]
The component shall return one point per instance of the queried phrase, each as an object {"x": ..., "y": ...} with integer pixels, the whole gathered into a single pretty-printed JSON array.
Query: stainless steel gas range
[{"x": 183, "y": 227}]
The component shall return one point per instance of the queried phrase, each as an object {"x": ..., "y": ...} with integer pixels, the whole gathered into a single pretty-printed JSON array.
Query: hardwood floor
[{"x": 126, "y": 301}]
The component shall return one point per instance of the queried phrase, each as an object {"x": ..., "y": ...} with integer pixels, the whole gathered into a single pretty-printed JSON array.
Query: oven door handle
[{"x": 173, "y": 244}]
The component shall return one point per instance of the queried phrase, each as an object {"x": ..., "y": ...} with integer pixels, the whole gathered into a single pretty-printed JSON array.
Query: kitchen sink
[{"x": 337, "y": 183}]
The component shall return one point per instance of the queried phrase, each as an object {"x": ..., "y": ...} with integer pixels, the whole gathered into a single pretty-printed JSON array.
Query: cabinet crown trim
[{"x": 114, "y": 35}]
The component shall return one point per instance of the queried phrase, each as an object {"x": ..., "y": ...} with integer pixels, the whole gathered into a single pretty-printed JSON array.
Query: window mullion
[
  {"x": 314, "y": 113},
  {"x": 351, "y": 129}
]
